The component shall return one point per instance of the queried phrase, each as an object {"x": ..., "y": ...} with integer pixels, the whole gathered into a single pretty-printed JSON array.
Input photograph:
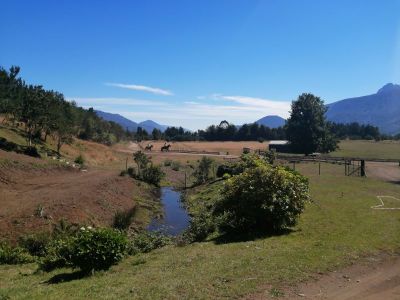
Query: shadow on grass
[
  {"x": 66, "y": 277},
  {"x": 245, "y": 237}
]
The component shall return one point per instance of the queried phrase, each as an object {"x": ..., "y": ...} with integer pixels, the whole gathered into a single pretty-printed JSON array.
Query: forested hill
[
  {"x": 381, "y": 109},
  {"x": 46, "y": 112}
]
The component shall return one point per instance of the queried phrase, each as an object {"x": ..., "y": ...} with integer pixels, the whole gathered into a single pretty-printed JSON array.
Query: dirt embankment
[{"x": 35, "y": 194}]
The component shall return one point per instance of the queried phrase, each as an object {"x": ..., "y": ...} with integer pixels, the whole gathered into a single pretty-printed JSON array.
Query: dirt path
[
  {"x": 384, "y": 171},
  {"x": 374, "y": 279}
]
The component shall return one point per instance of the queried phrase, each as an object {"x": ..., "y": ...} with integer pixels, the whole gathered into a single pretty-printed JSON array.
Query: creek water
[{"x": 175, "y": 218}]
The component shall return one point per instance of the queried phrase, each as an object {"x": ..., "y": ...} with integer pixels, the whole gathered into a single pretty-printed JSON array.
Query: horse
[
  {"x": 165, "y": 148},
  {"x": 148, "y": 147}
]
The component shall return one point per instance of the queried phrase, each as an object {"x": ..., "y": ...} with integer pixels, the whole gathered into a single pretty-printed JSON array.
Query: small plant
[
  {"x": 80, "y": 160},
  {"x": 167, "y": 162},
  {"x": 176, "y": 165},
  {"x": 123, "y": 173},
  {"x": 147, "y": 241},
  {"x": 275, "y": 293},
  {"x": 123, "y": 219},
  {"x": 39, "y": 212},
  {"x": 13, "y": 255}
]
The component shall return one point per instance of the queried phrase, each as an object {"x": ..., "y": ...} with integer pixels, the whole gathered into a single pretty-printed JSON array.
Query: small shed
[{"x": 282, "y": 146}]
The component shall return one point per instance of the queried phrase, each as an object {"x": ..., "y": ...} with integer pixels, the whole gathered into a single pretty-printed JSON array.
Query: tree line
[{"x": 44, "y": 112}]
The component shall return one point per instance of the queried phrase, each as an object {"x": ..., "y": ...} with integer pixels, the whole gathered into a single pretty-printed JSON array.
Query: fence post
[
  {"x": 362, "y": 168},
  {"x": 319, "y": 168}
]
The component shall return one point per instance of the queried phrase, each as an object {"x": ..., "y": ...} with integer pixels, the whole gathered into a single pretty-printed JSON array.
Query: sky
[{"x": 194, "y": 63}]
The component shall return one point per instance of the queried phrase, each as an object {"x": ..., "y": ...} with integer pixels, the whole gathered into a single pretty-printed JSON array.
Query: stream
[{"x": 175, "y": 217}]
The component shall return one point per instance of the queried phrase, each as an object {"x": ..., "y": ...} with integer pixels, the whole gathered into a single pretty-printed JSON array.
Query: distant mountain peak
[
  {"x": 389, "y": 88},
  {"x": 272, "y": 121}
]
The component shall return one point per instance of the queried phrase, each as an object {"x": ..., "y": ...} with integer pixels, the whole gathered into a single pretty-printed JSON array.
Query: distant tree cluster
[
  {"x": 355, "y": 131},
  {"x": 46, "y": 112},
  {"x": 247, "y": 132}
]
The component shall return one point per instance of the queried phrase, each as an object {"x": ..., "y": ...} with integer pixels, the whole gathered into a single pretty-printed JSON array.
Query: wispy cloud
[
  {"x": 282, "y": 107},
  {"x": 142, "y": 88}
]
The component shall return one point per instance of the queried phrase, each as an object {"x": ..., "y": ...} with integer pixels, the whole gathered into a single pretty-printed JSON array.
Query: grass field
[
  {"x": 369, "y": 149},
  {"x": 337, "y": 228}
]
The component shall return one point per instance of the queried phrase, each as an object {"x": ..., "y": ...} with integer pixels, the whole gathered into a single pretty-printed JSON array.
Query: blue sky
[{"x": 194, "y": 63}]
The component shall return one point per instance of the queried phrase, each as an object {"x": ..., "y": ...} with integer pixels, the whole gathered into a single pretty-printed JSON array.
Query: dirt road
[
  {"x": 376, "y": 278},
  {"x": 384, "y": 171}
]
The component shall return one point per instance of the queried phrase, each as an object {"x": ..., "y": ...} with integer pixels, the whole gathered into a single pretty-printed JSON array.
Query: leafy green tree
[
  {"x": 307, "y": 128},
  {"x": 141, "y": 160}
]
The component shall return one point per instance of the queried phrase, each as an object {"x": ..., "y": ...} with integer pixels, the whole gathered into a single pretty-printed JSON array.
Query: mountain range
[
  {"x": 148, "y": 125},
  {"x": 381, "y": 109}
]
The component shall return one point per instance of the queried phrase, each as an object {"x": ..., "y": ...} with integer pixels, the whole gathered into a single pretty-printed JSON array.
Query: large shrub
[
  {"x": 152, "y": 174},
  {"x": 97, "y": 249},
  {"x": 89, "y": 249},
  {"x": 262, "y": 198}
]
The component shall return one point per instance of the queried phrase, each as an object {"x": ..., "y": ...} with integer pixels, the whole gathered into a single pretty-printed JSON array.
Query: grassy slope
[
  {"x": 334, "y": 230},
  {"x": 369, "y": 149}
]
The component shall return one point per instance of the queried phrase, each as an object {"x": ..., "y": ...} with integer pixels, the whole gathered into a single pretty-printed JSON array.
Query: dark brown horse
[
  {"x": 165, "y": 148},
  {"x": 148, "y": 147}
]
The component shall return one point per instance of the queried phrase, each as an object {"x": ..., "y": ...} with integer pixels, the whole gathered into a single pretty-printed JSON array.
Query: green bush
[
  {"x": 89, "y": 249},
  {"x": 35, "y": 244},
  {"x": 80, "y": 160},
  {"x": 199, "y": 228},
  {"x": 147, "y": 241},
  {"x": 97, "y": 249},
  {"x": 152, "y": 174},
  {"x": 13, "y": 255},
  {"x": 261, "y": 199},
  {"x": 176, "y": 165}
]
